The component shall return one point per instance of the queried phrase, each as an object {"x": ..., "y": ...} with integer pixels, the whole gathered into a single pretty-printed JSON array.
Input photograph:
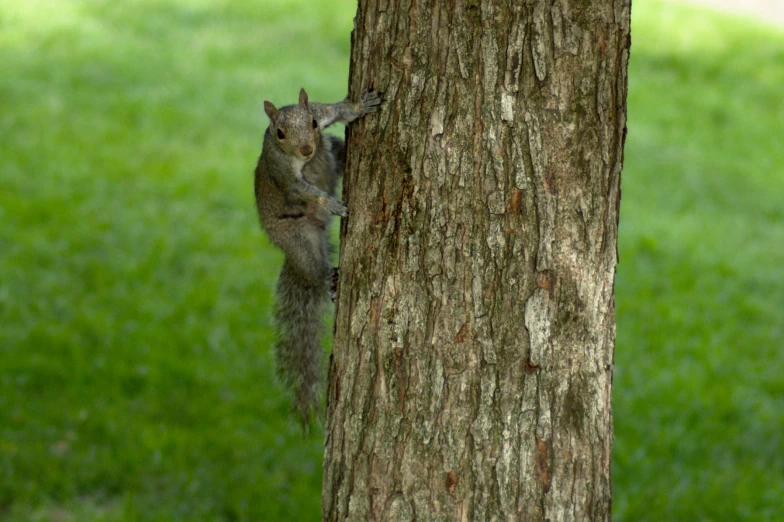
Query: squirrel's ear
[
  {"x": 303, "y": 97},
  {"x": 270, "y": 109}
]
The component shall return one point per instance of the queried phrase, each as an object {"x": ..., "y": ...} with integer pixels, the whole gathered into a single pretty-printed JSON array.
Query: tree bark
[{"x": 473, "y": 358}]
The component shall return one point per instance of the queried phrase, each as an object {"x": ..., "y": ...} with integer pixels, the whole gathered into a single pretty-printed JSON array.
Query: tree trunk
[{"x": 472, "y": 367}]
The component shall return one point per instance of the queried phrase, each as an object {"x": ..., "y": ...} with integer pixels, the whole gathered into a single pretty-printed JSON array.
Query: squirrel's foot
[
  {"x": 371, "y": 101},
  {"x": 333, "y": 283},
  {"x": 336, "y": 207}
]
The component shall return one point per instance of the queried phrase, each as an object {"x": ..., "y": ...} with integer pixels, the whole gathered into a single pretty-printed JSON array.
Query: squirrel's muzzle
[{"x": 306, "y": 150}]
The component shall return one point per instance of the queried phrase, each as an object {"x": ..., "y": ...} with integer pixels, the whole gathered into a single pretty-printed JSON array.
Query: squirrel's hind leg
[{"x": 307, "y": 253}]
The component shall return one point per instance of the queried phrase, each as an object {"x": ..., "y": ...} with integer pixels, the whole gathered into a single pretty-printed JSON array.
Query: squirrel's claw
[
  {"x": 337, "y": 208},
  {"x": 371, "y": 101}
]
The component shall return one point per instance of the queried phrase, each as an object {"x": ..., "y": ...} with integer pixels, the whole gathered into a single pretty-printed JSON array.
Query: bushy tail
[{"x": 298, "y": 317}]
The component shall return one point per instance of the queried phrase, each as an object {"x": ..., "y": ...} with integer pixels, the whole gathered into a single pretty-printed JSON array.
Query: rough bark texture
[{"x": 472, "y": 367}]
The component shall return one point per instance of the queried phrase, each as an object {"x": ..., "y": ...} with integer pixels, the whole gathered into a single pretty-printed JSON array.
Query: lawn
[
  {"x": 699, "y": 388},
  {"x": 135, "y": 372}
]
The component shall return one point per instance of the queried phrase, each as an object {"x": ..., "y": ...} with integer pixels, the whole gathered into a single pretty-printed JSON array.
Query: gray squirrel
[{"x": 295, "y": 182}]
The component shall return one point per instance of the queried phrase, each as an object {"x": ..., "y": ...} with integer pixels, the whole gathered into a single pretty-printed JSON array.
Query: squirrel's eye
[
  {"x": 315, "y": 124},
  {"x": 280, "y": 134}
]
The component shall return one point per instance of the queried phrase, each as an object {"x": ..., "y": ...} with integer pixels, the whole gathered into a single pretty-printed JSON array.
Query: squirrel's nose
[{"x": 306, "y": 150}]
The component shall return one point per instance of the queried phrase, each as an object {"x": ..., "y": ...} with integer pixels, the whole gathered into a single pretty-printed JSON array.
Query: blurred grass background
[{"x": 135, "y": 379}]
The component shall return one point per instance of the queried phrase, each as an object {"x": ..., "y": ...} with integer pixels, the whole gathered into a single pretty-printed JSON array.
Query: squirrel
[{"x": 295, "y": 182}]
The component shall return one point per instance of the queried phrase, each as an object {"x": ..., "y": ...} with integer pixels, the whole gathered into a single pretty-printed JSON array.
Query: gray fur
[{"x": 295, "y": 183}]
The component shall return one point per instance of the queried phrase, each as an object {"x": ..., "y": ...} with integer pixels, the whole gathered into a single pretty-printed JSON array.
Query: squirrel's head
[{"x": 295, "y": 130}]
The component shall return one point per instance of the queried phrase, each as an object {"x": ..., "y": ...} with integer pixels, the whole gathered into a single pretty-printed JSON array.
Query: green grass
[
  {"x": 699, "y": 388},
  {"x": 135, "y": 379},
  {"x": 135, "y": 283}
]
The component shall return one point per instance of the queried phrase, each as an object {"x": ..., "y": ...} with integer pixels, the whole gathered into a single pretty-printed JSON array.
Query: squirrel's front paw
[
  {"x": 336, "y": 207},
  {"x": 371, "y": 101}
]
